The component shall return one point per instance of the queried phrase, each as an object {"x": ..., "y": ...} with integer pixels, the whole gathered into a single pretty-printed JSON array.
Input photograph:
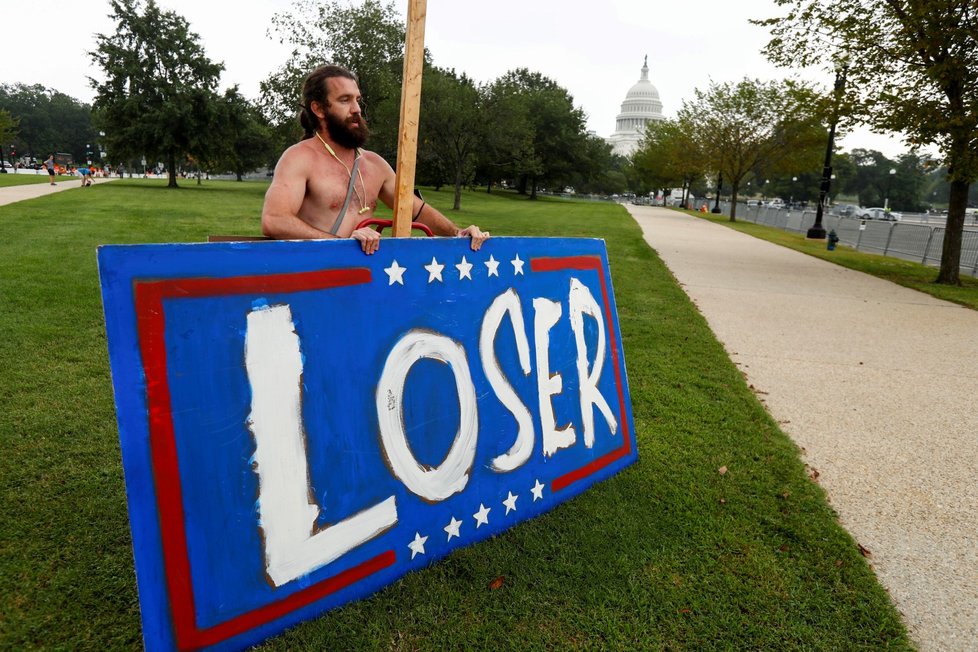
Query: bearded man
[{"x": 326, "y": 184}]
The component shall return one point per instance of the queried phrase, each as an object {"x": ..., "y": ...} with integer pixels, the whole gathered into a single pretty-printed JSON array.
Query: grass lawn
[
  {"x": 669, "y": 554},
  {"x": 26, "y": 179},
  {"x": 902, "y": 272}
]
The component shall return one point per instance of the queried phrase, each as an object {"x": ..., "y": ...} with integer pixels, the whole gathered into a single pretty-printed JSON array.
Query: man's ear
[{"x": 318, "y": 109}]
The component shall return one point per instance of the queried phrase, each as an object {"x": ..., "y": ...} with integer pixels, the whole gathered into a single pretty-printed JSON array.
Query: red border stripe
[{"x": 592, "y": 263}]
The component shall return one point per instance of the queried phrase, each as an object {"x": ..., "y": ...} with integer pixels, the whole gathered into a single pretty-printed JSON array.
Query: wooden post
[{"x": 407, "y": 135}]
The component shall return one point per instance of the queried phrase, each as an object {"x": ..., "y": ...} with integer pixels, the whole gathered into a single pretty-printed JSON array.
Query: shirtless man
[{"x": 327, "y": 171}]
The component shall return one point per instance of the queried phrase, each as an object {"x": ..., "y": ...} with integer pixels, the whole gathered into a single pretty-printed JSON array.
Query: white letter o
[{"x": 451, "y": 476}]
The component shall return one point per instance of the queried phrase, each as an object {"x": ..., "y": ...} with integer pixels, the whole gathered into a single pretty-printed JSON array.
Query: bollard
[{"x": 832, "y": 240}]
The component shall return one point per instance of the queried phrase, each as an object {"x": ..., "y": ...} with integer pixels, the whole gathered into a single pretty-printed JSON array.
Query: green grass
[
  {"x": 669, "y": 554},
  {"x": 25, "y": 179},
  {"x": 903, "y": 272}
]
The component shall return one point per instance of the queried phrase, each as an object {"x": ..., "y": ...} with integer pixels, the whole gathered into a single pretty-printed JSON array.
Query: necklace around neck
[{"x": 362, "y": 199}]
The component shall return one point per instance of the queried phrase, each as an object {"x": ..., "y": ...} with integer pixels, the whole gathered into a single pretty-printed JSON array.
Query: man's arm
[
  {"x": 441, "y": 225},
  {"x": 431, "y": 216}
]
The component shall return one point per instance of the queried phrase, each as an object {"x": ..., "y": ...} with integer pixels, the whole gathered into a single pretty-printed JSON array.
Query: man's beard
[{"x": 346, "y": 134}]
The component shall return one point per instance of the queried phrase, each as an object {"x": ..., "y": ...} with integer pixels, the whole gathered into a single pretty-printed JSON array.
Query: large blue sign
[{"x": 302, "y": 424}]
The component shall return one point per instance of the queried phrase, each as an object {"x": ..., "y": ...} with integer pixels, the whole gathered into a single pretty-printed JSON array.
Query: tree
[
  {"x": 49, "y": 121},
  {"x": 754, "y": 125},
  {"x": 158, "y": 98},
  {"x": 450, "y": 125},
  {"x": 554, "y": 150},
  {"x": 8, "y": 129},
  {"x": 367, "y": 39},
  {"x": 669, "y": 156},
  {"x": 913, "y": 68},
  {"x": 597, "y": 175},
  {"x": 507, "y": 144},
  {"x": 245, "y": 140}
]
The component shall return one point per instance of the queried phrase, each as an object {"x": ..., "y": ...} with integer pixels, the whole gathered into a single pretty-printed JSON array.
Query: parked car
[
  {"x": 754, "y": 202},
  {"x": 877, "y": 213}
]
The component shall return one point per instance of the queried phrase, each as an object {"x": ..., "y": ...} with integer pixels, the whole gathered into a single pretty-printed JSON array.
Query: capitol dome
[{"x": 641, "y": 106}]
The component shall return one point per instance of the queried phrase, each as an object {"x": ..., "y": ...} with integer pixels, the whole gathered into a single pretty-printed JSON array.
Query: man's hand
[
  {"x": 368, "y": 238},
  {"x": 478, "y": 236}
]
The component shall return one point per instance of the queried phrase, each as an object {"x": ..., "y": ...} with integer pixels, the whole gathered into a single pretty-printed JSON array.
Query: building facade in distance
[{"x": 641, "y": 106}]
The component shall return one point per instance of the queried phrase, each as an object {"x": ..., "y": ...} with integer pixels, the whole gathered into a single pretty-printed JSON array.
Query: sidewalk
[
  {"x": 11, "y": 194},
  {"x": 876, "y": 383}
]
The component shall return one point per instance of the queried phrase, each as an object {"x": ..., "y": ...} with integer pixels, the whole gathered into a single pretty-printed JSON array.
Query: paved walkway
[
  {"x": 11, "y": 194},
  {"x": 876, "y": 383}
]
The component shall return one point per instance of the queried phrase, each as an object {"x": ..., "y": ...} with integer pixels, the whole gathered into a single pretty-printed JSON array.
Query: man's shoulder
[
  {"x": 299, "y": 156},
  {"x": 373, "y": 158},
  {"x": 303, "y": 148}
]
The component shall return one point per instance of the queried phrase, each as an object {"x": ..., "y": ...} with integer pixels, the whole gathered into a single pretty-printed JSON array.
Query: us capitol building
[{"x": 641, "y": 106}]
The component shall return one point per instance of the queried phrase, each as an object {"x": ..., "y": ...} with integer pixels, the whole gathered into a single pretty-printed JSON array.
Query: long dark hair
[{"x": 314, "y": 90}]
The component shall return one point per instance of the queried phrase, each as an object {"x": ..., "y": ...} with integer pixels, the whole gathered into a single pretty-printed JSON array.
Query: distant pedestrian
[
  {"x": 86, "y": 176},
  {"x": 49, "y": 164},
  {"x": 120, "y": 171}
]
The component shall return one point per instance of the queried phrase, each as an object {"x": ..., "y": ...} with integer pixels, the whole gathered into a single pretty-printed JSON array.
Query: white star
[
  {"x": 396, "y": 273},
  {"x": 493, "y": 266},
  {"x": 464, "y": 269},
  {"x": 481, "y": 517},
  {"x": 517, "y": 265},
  {"x": 434, "y": 270},
  {"x": 452, "y": 528},
  {"x": 417, "y": 546},
  {"x": 510, "y": 502},
  {"x": 537, "y": 491}
]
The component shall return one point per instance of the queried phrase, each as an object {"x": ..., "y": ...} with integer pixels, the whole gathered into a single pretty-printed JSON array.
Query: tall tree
[
  {"x": 508, "y": 134},
  {"x": 669, "y": 155},
  {"x": 450, "y": 126},
  {"x": 49, "y": 121},
  {"x": 245, "y": 141},
  {"x": 913, "y": 68},
  {"x": 367, "y": 39},
  {"x": 159, "y": 96},
  {"x": 8, "y": 129},
  {"x": 755, "y": 125},
  {"x": 556, "y": 129}
]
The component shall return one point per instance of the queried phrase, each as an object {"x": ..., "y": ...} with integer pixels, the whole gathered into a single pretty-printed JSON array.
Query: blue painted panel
[{"x": 215, "y": 566}]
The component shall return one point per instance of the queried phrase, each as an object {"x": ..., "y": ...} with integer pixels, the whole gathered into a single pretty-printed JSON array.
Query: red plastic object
[{"x": 383, "y": 224}]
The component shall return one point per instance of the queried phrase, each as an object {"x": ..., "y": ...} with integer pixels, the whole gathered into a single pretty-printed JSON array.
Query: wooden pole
[{"x": 407, "y": 134}]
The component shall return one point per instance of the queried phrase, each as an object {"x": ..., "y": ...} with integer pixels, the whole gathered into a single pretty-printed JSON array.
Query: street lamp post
[
  {"x": 791, "y": 198},
  {"x": 889, "y": 183},
  {"x": 817, "y": 232},
  {"x": 716, "y": 206}
]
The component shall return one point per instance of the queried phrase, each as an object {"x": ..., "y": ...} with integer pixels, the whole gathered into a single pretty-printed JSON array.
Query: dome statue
[{"x": 641, "y": 106}]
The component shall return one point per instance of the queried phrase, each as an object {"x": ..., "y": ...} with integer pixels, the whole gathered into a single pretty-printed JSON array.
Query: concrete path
[
  {"x": 876, "y": 383},
  {"x": 11, "y": 194}
]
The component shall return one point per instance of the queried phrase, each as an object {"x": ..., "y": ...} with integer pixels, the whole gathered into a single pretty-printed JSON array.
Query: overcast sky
[{"x": 594, "y": 50}]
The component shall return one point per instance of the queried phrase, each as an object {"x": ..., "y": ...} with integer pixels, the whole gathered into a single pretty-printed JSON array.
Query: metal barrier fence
[{"x": 918, "y": 242}]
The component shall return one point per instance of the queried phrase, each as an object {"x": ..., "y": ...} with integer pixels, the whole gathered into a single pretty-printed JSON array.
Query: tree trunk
[
  {"x": 733, "y": 201},
  {"x": 171, "y": 164},
  {"x": 458, "y": 189},
  {"x": 521, "y": 186},
  {"x": 533, "y": 188},
  {"x": 489, "y": 187},
  {"x": 950, "y": 273}
]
